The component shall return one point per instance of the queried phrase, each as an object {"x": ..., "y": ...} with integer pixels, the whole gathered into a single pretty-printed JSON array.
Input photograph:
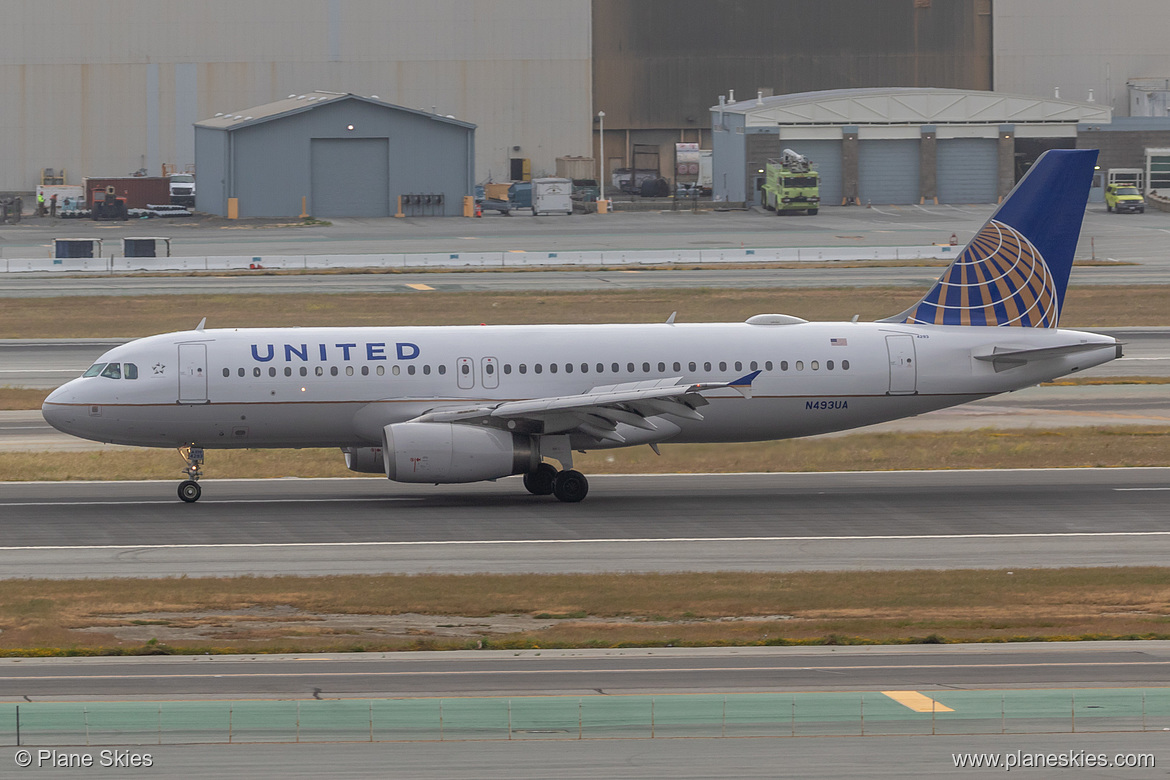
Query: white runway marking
[{"x": 646, "y": 540}]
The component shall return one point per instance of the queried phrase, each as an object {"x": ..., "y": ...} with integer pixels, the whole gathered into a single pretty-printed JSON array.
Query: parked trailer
[
  {"x": 137, "y": 191},
  {"x": 552, "y": 196}
]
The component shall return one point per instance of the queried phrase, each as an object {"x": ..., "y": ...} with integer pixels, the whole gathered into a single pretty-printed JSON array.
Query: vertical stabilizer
[{"x": 1015, "y": 271}]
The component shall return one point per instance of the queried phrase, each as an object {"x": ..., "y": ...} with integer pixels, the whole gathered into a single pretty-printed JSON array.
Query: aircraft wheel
[
  {"x": 540, "y": 482},
  {"x": 190, "y": 491},
  {"x": 570, "y": 486}
]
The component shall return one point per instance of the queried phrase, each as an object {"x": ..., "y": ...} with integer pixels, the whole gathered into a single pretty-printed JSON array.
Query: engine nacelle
[
  {"x": 447, "y": 452},
  {"x": 366, "y": 460}
]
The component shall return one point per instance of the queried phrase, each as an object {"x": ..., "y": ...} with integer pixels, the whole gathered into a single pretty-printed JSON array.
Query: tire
[
  {"x": 812, "y": 212},
  {"x": 1108, "y": 208},
  {"x": 190, "y": 491},
  {"x": 540, "y": 482},
  {"x": 570, "y": 486}
]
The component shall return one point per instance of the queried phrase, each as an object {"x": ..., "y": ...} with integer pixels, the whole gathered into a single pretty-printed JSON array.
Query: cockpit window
[
  {"x": 130, "y": 371},
  {"x": 95, "y": 369},
  {"x": 113, "y": 371}
]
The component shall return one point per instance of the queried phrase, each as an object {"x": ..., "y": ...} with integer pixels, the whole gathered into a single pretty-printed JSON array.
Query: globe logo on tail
[{"x": 999, "y": 279}]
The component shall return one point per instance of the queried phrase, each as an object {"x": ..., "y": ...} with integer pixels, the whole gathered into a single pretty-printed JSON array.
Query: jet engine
[
  {"x": 365, "y": 460},
  {"x": 447, "y": 452}
]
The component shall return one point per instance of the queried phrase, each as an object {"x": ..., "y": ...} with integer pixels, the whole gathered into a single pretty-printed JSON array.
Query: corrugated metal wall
[
  {"x": 826, "y": 159},
  {"x": 663, "y": 63},
  {"x": 106, "y": 88}
]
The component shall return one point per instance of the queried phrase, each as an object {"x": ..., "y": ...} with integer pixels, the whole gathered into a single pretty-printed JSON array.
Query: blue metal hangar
[
  {"x": 333, "y": 154},
  {"x": 893, "y": 145}
]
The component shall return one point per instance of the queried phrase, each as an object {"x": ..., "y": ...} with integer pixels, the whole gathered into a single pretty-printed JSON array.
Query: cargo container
[
  {"x": 552, "y": 196},
  {"x": 139, "y": 191}
]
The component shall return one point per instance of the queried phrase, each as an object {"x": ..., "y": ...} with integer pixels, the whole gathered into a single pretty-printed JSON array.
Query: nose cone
[{"x": 58, "y": 409}]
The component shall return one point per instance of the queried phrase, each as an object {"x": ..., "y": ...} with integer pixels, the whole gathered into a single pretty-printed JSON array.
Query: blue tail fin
[{"x": 1015, "y": 271}]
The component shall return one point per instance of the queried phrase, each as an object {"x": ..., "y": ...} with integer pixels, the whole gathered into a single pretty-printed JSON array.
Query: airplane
[{"x": 469, "y": 403}]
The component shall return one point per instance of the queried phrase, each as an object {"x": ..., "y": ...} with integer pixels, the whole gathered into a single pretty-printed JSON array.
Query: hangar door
[
  {"x": 826, "y": 158},
  {"x": 350, "y": 177},
  {"x": 887, "y": 171},
  {"x": 967, "y": 170}
]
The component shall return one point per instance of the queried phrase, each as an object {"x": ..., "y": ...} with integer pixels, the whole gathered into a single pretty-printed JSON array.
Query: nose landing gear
[{"x": 189, "y": 489}]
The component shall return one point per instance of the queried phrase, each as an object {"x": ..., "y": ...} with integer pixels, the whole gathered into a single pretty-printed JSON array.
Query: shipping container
[{"x": 139, "y": 191}]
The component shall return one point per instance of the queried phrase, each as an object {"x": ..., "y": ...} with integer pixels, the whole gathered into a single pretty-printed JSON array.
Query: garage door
[
  {"x": 888, "y": 171},
  {"x": 967, "y": 170},
  {"x": 350, "y": 177},
  {"x": 826, "y": 159}
]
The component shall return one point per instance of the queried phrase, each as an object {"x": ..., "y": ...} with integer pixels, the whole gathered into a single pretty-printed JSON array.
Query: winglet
[{"x": 743, "y": 385}]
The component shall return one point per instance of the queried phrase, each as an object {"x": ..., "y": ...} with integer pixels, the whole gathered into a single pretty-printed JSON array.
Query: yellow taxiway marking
[
  {"x": 420, "y": 287},
  {"x": 917, "y": 702}
]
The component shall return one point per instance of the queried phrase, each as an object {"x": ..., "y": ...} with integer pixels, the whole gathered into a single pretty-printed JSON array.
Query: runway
[
  {"x": 588, "y": 672},
  {"x": 652, "y": 523}
]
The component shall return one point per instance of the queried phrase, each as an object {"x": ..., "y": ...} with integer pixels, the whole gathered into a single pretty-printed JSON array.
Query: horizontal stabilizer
[{"x": 1003, "y": 358}]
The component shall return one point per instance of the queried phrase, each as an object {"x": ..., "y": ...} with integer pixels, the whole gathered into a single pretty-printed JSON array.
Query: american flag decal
[{"x": 839, "y": 342}]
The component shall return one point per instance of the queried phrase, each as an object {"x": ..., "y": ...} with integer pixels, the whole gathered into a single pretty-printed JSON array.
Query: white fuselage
[{"x": 339, "y": 387}]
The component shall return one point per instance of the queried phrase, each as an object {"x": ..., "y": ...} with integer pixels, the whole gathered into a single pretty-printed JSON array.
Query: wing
[{"x": 598, "y": 412}]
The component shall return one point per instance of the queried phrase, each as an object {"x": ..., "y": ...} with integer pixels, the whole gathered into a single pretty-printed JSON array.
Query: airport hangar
[
  {"x": 333, "y": 154},
  {"x": 894, "y": 146}
]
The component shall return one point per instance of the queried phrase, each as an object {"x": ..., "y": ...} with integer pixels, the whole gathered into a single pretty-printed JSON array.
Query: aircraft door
[
  {"x": 192, "y": 373},
  {"x": 903, "y": 371},
  {"x": 490, "y": 373},
  {"x": 465, "y": 373}
]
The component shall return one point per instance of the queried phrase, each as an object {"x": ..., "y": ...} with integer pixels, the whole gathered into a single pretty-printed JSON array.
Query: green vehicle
[
  {"x": 791, "y": 184},
  {"x": 1124, "y": 197}
]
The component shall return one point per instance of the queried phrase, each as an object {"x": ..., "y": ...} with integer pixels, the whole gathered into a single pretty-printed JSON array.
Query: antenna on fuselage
[
  {"x": 670, "y": 319},
  {"x": 202, "y": 322}
]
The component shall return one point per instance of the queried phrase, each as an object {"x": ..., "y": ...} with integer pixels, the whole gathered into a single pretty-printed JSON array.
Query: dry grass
[
  {"x": 141, "y": 316},
  {"x": 609, "y": 609},
  {"x": 984, "y": 448},
  {"x": 13, "y": 398}
]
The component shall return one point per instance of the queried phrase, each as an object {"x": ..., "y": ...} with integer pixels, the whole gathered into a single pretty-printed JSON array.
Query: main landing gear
[
  {"x": 189, "y": 489},
  {"x": 569, "y": 486}
]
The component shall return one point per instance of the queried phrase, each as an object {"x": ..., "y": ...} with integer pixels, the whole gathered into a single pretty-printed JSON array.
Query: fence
[
  {"x": 462, "y": 260},
  {"x": 589, "y": 717}
]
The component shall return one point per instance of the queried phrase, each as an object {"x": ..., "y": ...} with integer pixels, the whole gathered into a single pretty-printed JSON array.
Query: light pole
[{"x": 601, "y": 152}]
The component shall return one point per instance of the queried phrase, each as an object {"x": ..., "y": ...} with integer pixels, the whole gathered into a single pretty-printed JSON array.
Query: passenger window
[
  {"x": 227, "y": 372},
  {"x": 677, "y": 366},
  {"x": 568, "y": 368},
  {"x": 396, "y": 370},
  {"x": 692, "y": 366},
  {"x": 800, "y": 365},
  {"x": 463, "y": 369},
  {"x": 707, "y": 366},
  {"x": 365, "y": 370},
  {"x": 755, "y": 366},
  {"x": 783, "y": 365},
  {"x": 815, "y": 365},
  {"x": 256, "y": 371},
  {"x": 537, "y": 368},
  {"x": 552, "y": 368},
  {"x": 584, "y": 368},
  {"x": 113, "y": 371},
  {"x": 333, "y": 371},
  {"x": 615, "y": 368},
  {"x": 427, "y": 370},
  {"x": 661, "y": 368},
  {"x": 722, "y": 365},
  {"x": 630, "y": 367},
  {"x": 410, "y": 370},
  {"x": 131, "y": 371},
  {"x": 829, "y": 364},
  {"x": 381, "y": 370},
  {"x": 523, "y": 368},
  {"x": 96, "y": 369},
  {"x": 271, "y": 371},
  {"x": 304, "y": 371},
  {"x": 507, "y": 368},
  {"x": 349, "y": 370},
  {"x": 768, "y": 366},
  {"x": 601, "y": 368},
  {"x": 442, "y": 370},
  {"x": 844, "y": 365},
  {"x": 738, "y": 366},
  {"x": 240, "y": 371},
  {"x": 287, "y": 371},
  {"x": 319, "y": 371},
  {"x": 645, "y": 368}
]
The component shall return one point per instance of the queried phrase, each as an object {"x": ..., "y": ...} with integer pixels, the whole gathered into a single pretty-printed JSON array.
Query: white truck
[{"x": 182, "y": 186}]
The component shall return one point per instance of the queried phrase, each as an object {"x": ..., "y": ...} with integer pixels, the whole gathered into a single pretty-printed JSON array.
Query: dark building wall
[
  {"x": 1123, "y": 149},
  {"x": 663, "y": 63}
]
